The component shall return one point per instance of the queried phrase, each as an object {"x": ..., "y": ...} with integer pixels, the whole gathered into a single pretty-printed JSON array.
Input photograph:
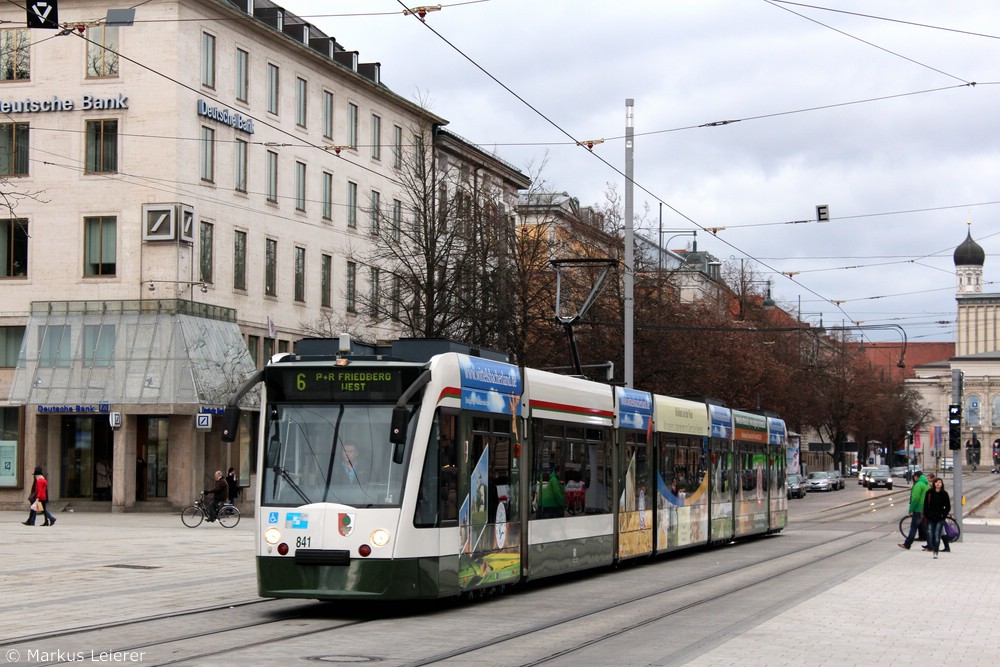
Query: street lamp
[{"x": 768, "y": 302}]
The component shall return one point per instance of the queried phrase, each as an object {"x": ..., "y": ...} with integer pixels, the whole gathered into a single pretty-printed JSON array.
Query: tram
[{"x": 426, "y": 469}]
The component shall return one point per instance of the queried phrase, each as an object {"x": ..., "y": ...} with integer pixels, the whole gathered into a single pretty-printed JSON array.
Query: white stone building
[{"x": 189, "y": 193}]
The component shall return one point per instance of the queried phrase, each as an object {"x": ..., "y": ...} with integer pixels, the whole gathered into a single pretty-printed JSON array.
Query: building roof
[{"x": 887, "y": 355}]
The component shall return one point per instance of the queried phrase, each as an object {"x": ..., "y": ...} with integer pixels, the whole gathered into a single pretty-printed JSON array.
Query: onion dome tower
[{"x": 969, "y": 259}]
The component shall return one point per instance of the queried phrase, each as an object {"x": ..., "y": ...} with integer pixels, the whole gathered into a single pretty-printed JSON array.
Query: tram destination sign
[{"x": 343, "y": 383}]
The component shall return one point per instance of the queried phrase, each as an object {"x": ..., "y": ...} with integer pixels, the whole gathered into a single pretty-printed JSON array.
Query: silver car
[
  {"x": 819, "y": 481},
  {"x": 836, "y": 479}
]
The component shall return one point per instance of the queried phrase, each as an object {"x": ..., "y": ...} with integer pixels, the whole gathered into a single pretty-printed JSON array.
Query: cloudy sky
[{"x": 872, "y": 114}]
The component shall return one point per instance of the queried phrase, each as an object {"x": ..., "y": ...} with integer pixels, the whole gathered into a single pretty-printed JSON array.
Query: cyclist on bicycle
[{"x": 216, "y": 496}]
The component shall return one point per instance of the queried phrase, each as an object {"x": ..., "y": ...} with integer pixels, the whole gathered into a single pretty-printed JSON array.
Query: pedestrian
[
  {"x": 32, "y": 499},
  {"x": 234, "y": 485},
  {"x": 931, "y": 478},
  {"x": 937, "y": 506},
  {"x": 102, "y": 480},
  {"x": 917, "y": 493},
  {"x": 40, "y": 489}
]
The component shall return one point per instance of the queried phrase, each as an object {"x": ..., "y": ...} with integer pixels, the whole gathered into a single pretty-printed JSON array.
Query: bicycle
[
  {"x": 193, "y": 515},
  {"x": 955, "y": 529}
]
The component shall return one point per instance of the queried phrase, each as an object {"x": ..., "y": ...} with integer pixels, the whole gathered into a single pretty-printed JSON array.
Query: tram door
[
  {"x": 635, "y": 504},
  {"x": 488, "y": 509}
]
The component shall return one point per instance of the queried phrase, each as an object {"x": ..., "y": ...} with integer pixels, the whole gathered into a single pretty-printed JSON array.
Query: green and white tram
[{"x": 408, "y": 473}]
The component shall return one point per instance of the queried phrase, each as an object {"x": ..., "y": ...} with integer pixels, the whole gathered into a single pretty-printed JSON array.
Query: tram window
[
  {"x": 583, "y": 468},
  {"x": 437, "y": 497}
]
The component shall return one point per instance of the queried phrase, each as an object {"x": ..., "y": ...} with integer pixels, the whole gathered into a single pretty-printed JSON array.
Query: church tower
[
  {"x": 969, "y": 259},
  {"x": 978, "y": 325}
]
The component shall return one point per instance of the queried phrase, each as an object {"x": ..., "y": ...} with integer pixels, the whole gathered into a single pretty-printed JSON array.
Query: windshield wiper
[{"x": 278, "y": 470}]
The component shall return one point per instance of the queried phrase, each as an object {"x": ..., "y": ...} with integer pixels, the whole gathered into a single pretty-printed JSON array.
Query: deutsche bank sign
[{"x": 226, "y": 117}]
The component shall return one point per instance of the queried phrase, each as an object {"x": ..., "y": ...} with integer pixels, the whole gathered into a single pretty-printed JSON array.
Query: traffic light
[{"x": 954, "y": 427}]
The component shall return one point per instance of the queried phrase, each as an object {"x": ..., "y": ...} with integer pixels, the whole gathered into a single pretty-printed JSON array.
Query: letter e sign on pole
[{"x": 43, "y": 14}]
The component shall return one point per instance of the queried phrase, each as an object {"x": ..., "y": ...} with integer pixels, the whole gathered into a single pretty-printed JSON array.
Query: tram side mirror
[
  {"x": 230, "y": 423},
  {"x": 397, "y": 428},
  {"x": 397, "y": 432}
]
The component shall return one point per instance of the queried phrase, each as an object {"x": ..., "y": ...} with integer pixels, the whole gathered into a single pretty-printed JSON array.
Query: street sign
[{"x": 44, "y": 15}]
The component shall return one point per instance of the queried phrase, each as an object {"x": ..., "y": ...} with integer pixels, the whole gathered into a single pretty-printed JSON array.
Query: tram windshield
[{"x": 322, "y": 453}]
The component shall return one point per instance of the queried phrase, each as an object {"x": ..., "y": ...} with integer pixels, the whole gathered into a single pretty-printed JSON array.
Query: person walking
[
  {"x": 233, "y": 481},
  {"x": 937, "y": 506},
  {"x": 917, "y": 493},
  {"x": 931, "y": 478},
  {"x": 40, "y": 489}
]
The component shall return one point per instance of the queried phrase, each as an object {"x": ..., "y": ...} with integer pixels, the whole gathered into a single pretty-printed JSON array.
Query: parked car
[
  {"x": 796, "y": 486},
  {"x": 819, "y": 481},
  {"x": 836, "y": 479},
  {"x": 863, "y": 473},
  {"x": 946, "y": 463},
  {"x": 880, "y": 477}
]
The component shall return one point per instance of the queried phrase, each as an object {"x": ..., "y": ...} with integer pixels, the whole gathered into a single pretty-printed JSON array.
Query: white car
[{"x": 863, "y": 472}]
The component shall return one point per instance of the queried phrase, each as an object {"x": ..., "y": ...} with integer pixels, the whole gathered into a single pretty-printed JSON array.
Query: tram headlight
[
  {"x": 272, "y": 536},
  {"x": 380, "y": 537}
]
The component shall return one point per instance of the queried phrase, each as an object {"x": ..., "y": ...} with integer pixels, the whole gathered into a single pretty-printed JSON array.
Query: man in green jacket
[{"x": 917, "y": 493}]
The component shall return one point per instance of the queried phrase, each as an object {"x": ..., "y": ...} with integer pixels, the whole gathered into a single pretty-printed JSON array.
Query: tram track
[
  {"x": 298, "y": 619},
  {"x": 725, "y": 575}
]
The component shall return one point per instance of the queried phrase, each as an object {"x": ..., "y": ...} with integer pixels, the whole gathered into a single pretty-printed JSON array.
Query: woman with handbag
[
  {"x": 937, "y": 506},
  {"x": 40, "y": 504}
]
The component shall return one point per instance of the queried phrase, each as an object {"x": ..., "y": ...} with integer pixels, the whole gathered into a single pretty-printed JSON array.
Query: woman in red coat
[{"x": 41, "y": 492}]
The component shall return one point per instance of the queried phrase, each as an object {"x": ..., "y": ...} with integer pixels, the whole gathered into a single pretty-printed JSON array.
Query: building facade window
[
  {"x": 99, "y": 344},
  {"x": 397, "y": 219},
  {"x": 300, "y": 274},
  {"x": 376, "y": 137},
  {"x": 102, "y": 146},
  {"x": 14, "y": 138},
  {"x": 208, "y": 60},
  {"x": 271, "y": 267},
  {"x": 350, "y": 287},
  {"x": 272, "y": 177},
  {"x": 240, "y": 260},
  {"x": 327, "y": 115},
  {"x": 15, "y": 53},
  {"x": 300, "y": 186},
  {"x": 273, "y": 79},
  {"x": 102, "y": 51},
  {"x": 240, "y": 165},
  {"x": 352, "y": 126},
  {"x": 206, "y": 256},
  {"x": 54, "y": 345},
  {"x": 10, "y": 345},
  {"x": 14, "y": 248},
  {"x": 327, "y": 195},
  {"x": 396, "y": 295},
  {"x": 352, "y": 204},
  {"x": 373, "y": 298},
  {"x": 397, "y": 147},
  {"x": 972, "y": 416},
  {"x": 207, "y": 154},
  {"x": 253, "y": 347},
  {"x": 301, "y": 102},
  {"x": 376, "y": 212},
  {"x": 100, "y": 245},
  {"x": 242, "y": 75},
  {"x": 326, "y": 281}
]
